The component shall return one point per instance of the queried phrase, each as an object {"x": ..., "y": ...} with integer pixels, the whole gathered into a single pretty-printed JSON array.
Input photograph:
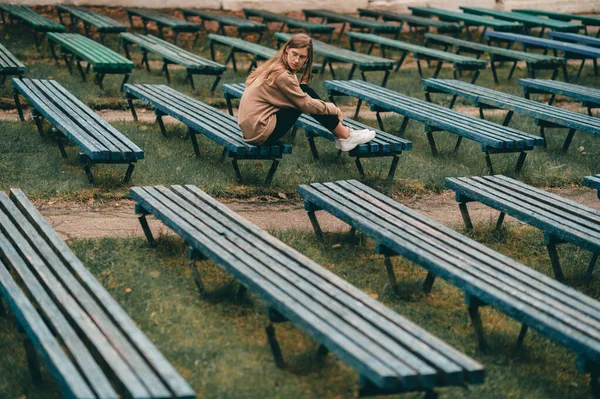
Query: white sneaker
[{"x": 356, "y": 137}]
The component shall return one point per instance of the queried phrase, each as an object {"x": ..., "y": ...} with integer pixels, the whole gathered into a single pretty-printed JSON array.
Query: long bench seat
[
  {"x": 289, "y": 22},
  {"x": 163, "y": 21},
  {"x": 585, "y": 20},
  {"x": 9, "y": 64},
  {"x": 589, "y": 96},
  {"x": 390, "y": 353},
  {"x": 241, "y": 24},
  {"x": 40, "y": 25},
  {"x": 328, "y": 16},
  {"x": 412, "y": 21},
  {"x": 103, "y": 25}
]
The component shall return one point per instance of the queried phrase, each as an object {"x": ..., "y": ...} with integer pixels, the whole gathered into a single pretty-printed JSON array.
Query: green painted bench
[
  {"x": 534, "y": 62},
  {"x": 88, "y": 18},
  {"x": 528, "y": 21},
  {"x": 383, "y": 145},
  {"x": 487, "y": 277},
  {"x": 241, "y": 24},
  {"x": 172, "y": 54},
  {"x": 459, "y": 63},
  {"x": 560, "y": 219},
  {"x": 588, "y": 96},
  {"x": 237, "y": 45},
  {"x": 75, "y": 47},
  {"x": 163, "y": 21},
  {"x": 585, "y": 20},
  {"x": 494, "y": 138},
  {"x": 362, "y": 24},
  {"x": 203, "y": 119},
  {"x": 40, "y": 25},
  {"x": 546, "y": 116},
  {"x": 331, "y": 54},
  {"x": 593, "y": 182},
  {"x": 9, "y": 64},
  {"x": 390, "y": 353},
  {"x": 100, "y": 143},
  {"x": 412, "y": 21},
  {"x": 291, "y": 23},
  {"x": 90, "y": 345}
]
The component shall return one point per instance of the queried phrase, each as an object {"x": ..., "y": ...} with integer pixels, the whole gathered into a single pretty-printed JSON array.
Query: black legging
[{"x": 286, "y": 117}]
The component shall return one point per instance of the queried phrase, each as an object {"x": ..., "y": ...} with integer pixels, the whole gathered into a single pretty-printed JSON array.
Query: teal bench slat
[
  {"x": 171, "y": 54},
  {"x": 545, "y": 115},
  {"x": 331, "y": 54},
  {"x": 585, "y": 20},
  {"x": 390, "y": 353},
  {"x": 163, "y": 21},
  {"x": 588, "y": 96},
  {"x": 289, "y": 22},
  {"x": 460, "y": 63},
  {"x": 328, "y": 16},
  {"x": 40, "y": 25},
  {"x": 575, "y": 38},
  {"x": 560, "y": 220},
  {"x": 98, "y": 140},
  {"x": 384, "y": 144},
  {"x": 241, "y": 24},
  {"x": 94, "y": 329},
  {"x": 9, "y": 64},
  {"x": 493, "y": 138},
  {"x": 412, "y": 21},
  {"x": 88, "y": 18},
  {"x": 487, "y": 277},
  {"x": 533, "y": 61},
  {"x": 203, "y": 119},
  {"x": 528, "y": 21}
]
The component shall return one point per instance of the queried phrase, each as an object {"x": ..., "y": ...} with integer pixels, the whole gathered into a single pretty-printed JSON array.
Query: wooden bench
[
  {"x": 459, "y": 62},
  {"x": 9, "y": 64},
  {"x": 103, "y": 24},
  {"x": 237, "y": 45},
  {"x": 575, "y": 38},
  {"x": 588, "y": 96},
  {"x": 96, "y": 350},
  {"x": 163, "y": 21},
  {"x": 390, "y": 353},
  {"x": 412, "y": 21},
  {"x": 384, "y": 144},
  {"x": 75, "y": 47},
  {"x": 203, "y": 119},
  {"x": 487, "y": 277},
  {"x": 546, "y": 116},
  {"x": 290, "y": 23},
  {"x": 40, "y": 25},
  {"x": 331, "y": 54},
  {"x": 362, "y": 24},
  {"x": 593, "y": 182},
  {"x": 494, "y": 138},
  {"x": 570, "y": 50},
  {"x": 99, "y": 142},
  {"x": 534, "y": 62},
  {"x": 528, "y": 21},
  {"x": 172, "y": 54},
  {"x": 560, "y": 220},
  {"x": 241, "y": 24},
  {"x": 585, "y": 20}
]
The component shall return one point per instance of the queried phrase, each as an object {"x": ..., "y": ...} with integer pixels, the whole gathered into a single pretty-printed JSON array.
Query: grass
[{"x": 219, "y": 344}]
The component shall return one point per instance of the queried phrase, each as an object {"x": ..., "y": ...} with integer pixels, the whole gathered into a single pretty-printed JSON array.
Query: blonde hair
[{"x": 279, "y": 62}]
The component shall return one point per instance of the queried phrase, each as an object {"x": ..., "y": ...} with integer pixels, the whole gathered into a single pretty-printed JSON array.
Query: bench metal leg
[
  {"x": 494, "y": 74},
  {"x": 457, "y": 146},
  {"x": 195, "y": 256},
  {"x": 389, "y": 268},
  {"x": 81, "y": 71},
  {"x": 236, "y": 170},
  {"x": 2, "y": 309},
  {"x": 61, "y": 146},
  {"x": 520, "y": 162},
  {"x": 165, "y": 69},
  {"x": 275, "y": 349},
  {"x": 500, "y": 220},
  {"x": 313, "y": 148},
  {"x": 241, "y": 292},
  {"x": 428, "y": 283},
  {"x": 464, "y": 211},
  {"x": 400, "y": 62},
  {"x": 431, "y": 141},
  {"x": 580, "y": 69},
  {"x": 590, "y": 270},
  {"x": 147, "y": 232},
  {"x": 322, "y": 351},
  {"x": 160, "y": 122},
  {"x": 473, "y": 309},
  {"x": 403, "y": 126},
  {"x": 33, "y": 363},
  {"x": 213, "y": 87},
  {"x": 554, "y": 259},
  {"x": 39, "y": 120},
  {"x": 132, "y": 109},
  {"x": 128, "y": 173},
  {"x": 192, "y": 135},
  {"x": 88, "y": 172},
  {"x": 453, "y": 101},
  {"x": 99, "y": 78},
  {"x": 543, "y": 135},
  {"x": 272, "y": 171},
  {"x": 315, "y": 225},
  {"x": 488, "y": 162},
  {"x": 358, "y": 105},
  {"x": 18, "y": 106},
  {"x": 359, "y": 166},
  {"x": 522, "y": 334},
  {"x": 145, "y": 60},
  {"x": 508, "y": 118},
  {"x": 124, "y": 82},
  {"x": 68, "y": 62},
  {"x": 568, "y": 139},
  {"x": 379, "y": 121},
  {"x": 512, "y": 70},
  {"x": 393, "y": 168}
]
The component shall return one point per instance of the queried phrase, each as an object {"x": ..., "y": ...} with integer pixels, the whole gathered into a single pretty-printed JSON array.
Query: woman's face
[{"x": 296, "y": 58}]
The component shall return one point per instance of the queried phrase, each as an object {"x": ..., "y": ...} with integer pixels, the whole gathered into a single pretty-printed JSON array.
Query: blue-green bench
[
  {"x": 534, "y": 62},
  {"x": 40, "y": 25},
  {"x": 575, "y": 38},
  {"x": 460, "y": 63},
  {"x": 91, "y": 347},
  {"x": 75, "y": 47},
  {"x": 241, "y": 24},
  {"x": 585, "y": 20},
  {"x": 487, "y": 277},
  {"x": 172, "y": 54},
  {"x": 383, "y": 145},
  {"x": 571, "y": 51},
  {"x": 390, "y": 353},
  {"x": 163, "y": 21},
  {"x": 9, "y": 64},
  {"x": 104, "y": 25},
  {"x": 494, "y": 138},
  {"x": 363, "y": 24},
  {"x": 593, "y": 182},
  {"x": 588, "y": 96},
  {"x": 362, "y": 62},
  {"x": 100, "y": 143},
  {"x": 560, "y": 219},
  {"x": 412, "y": 21},
  {"x": 291, "y": 23},
  {"x": 546, "y": 116},
  {"x": 203, "y": 119}
]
